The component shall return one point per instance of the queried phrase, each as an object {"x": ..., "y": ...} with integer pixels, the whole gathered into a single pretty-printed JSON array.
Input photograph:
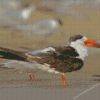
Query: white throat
[{"x": 80, "y": 48}]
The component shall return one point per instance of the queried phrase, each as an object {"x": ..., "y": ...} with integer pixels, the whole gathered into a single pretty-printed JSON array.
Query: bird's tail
[{"x": 12, "y": 54}]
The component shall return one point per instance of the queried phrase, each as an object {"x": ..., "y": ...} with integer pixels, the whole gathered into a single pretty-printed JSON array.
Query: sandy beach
[{"x": 16, "y": 86}]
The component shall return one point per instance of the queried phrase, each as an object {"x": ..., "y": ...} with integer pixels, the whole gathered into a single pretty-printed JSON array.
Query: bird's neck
[{"x": 81, "y": 50}]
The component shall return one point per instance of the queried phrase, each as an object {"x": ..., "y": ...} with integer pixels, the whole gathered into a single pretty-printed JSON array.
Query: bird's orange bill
[
  {"x": 64, "y": 81},
  {"x": 92, "y": 43}
]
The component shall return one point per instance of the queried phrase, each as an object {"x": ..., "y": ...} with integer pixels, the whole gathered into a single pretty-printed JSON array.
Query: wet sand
[
  {"x": 17, "y": 86},
  {"x": 47, "y": 89}
]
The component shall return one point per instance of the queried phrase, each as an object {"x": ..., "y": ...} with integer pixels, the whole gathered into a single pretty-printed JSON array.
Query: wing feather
[{"x": 12, "y": 54}]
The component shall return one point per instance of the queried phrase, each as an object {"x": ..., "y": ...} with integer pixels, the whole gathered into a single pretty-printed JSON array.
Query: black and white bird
[{"x": 57, "y": 60}]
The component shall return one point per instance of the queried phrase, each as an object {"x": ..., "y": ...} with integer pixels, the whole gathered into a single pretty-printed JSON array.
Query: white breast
[{"x": 81, "y": 49}]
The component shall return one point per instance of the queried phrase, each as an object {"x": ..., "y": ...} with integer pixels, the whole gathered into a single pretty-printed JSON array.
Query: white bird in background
[
  {"x": 15, "y": 11},
  {"x": 42, "y": 27}
]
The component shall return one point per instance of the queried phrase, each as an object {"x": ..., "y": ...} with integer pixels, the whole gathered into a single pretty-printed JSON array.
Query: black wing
[
  {"x": 12, "y": 54},
  {"x": 45, "y": 54},
  {"x": 66, "y": 51},
  {"x": 51, "y": 53}
]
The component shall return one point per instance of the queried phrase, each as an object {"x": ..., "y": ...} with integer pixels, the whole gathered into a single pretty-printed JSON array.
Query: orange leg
[
  {"x": 32, "y": 76},
  {"x": 64, "y": 80}
]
